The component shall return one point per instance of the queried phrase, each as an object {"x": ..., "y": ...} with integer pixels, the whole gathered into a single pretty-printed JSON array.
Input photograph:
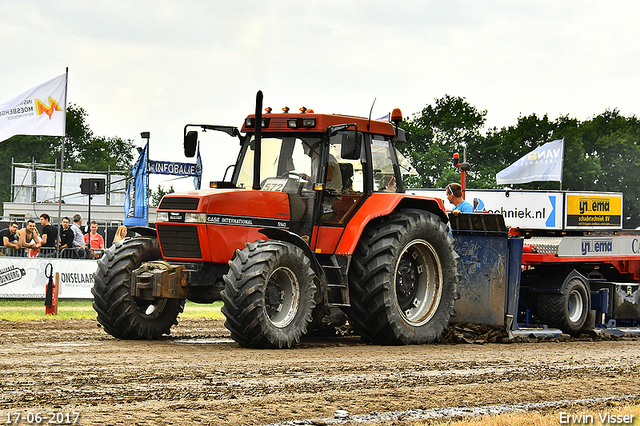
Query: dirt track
[{"x": 199, "y": 376}]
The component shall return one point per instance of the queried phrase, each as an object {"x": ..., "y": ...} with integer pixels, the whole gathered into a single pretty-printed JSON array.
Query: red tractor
[{"x": 313, "y": 225}]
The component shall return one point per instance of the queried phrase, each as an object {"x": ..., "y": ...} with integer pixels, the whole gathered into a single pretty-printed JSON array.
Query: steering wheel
[{"x": 287, "y": 174}]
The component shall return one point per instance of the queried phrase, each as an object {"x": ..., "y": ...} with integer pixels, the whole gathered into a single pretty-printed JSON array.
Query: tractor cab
[{"x": 326, "y": 164}]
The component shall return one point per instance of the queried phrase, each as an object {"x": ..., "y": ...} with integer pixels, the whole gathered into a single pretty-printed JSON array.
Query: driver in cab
[{"x": 334, "y": 176}]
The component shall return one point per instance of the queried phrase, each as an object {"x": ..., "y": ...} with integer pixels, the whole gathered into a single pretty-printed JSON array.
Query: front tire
[
  {"x": 403, "y": 280},
  {"x": 122, "y": 315},
  {"x": 268, "y": 295}
]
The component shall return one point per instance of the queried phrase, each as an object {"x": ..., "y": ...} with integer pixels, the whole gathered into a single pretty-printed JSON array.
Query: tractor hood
[
  {"x": 209, "y": 225},
  {"x": 222, "y": 205}
]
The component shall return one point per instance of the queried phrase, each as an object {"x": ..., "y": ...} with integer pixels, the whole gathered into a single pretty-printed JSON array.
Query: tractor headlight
[
  {"x": 195, "y": 218},
  {"x": 162, "y": 217}
]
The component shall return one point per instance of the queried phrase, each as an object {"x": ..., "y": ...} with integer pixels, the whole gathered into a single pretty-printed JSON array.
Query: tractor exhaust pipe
[{"x": 258, "y": 142}]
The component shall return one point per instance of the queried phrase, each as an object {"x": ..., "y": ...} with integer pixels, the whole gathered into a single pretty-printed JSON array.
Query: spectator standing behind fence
[
  {"x": 93, "y": 239},
  {"x": 9, "y": 239},
  {"x": 66, "y": 237},
  {"x": 120, "y": 233},
  {"x": 49, "y": 235},
  {"x": 76, "y": 227},
  {"x": 29, "y": 238}
]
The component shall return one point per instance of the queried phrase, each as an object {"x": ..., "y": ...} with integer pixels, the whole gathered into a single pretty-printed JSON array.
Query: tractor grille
[
  {"x": 179, "y": 203},
  {"x": 179, "y": 241}
]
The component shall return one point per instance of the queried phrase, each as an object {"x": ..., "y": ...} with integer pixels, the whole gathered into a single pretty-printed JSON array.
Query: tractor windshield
[
  {"x": 282, "y": 158},
  {"x": 289, "y": 159}
]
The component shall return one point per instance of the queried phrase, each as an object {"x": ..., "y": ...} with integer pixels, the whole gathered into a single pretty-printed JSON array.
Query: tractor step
[{"x": 336, "y": 291}]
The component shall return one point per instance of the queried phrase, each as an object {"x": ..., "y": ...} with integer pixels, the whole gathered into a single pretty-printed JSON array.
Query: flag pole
[
  {"x": 64, "y": 136},
  {"x": 562, "y": 165}
]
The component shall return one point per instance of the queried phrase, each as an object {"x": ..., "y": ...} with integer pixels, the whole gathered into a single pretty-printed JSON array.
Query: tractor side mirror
[
  {"x": 402, "y": 136},
  {"x": 190, "y": 143},
  {"x": 351, "y": 145}
]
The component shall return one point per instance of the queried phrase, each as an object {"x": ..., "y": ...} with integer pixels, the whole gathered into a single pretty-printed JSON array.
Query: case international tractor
[{"x": 308, "y": 228}]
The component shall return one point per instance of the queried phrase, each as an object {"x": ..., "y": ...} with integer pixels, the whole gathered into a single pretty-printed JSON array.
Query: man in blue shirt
[{"x": 454, "y": 195}]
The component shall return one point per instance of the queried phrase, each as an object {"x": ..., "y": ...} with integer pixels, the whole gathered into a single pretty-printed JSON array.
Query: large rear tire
[
  {"x": 268, "y": 295},
  {"x": 122, "y": 315},
  {"x": 568, "y": 310},
  {"x": 403, "y": 280}
]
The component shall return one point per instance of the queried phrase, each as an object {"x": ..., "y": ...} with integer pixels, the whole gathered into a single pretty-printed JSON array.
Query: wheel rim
[
  {"x": 282, "y": 297},
  {"x": 418, "y": 282},
  {"x": 575, "y": 306},
  {"x": 151, "y": 309}
]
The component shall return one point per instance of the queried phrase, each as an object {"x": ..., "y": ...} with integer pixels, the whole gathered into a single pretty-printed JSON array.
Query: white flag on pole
[
  {"x": 38, "y": 111},
  {"x": 542, "y": 164}
]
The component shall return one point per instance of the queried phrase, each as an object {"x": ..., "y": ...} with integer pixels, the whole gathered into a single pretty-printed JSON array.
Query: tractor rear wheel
[
  {"x": 403, "y": 280},
  {"x": 122, "y": 315},
  {"x": 568, "y": 310},
  {"x": 268, "y": 295}
]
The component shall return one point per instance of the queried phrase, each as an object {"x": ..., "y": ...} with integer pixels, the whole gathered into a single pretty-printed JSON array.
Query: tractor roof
[{"x": 314, "y": 123}]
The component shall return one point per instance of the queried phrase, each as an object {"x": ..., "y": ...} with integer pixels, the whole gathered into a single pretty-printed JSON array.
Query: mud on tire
[
  {"x": 268, "y": 295},
  {"x": 403, "y": 279},
  {"x": 122, "y": 315}
]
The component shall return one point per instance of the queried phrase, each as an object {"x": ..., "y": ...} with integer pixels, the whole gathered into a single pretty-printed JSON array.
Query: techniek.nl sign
[
  {"x": 521, "y": 209},
  {"x": 25, "y": 278}
]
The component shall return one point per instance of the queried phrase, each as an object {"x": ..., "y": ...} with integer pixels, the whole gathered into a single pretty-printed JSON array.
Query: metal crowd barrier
[{"x": 51, "y": 252}]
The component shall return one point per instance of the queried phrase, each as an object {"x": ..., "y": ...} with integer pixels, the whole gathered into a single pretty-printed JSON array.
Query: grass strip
[{"x": 34, "y": 310}]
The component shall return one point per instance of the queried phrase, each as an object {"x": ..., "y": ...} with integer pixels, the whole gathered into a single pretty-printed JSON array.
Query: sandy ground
[{"x": 199, "y": 376}]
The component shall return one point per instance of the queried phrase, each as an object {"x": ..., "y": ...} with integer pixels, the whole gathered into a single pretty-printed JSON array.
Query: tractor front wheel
[
  {"x": 122, "y": 315},
  {"x": 268, "y": 295}
]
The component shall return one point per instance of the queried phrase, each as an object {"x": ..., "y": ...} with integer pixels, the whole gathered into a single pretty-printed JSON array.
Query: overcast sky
[{"x": 157, "y": 65}]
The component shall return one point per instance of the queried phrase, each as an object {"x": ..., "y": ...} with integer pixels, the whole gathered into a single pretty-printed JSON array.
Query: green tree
[
  {"x": 437, "y": 132},
  {"x": 156, "y": 196},
  {"x": 600, "y": 154},
  {"x": 501, "y": 147},
  {"x": 83, "y": 150}
]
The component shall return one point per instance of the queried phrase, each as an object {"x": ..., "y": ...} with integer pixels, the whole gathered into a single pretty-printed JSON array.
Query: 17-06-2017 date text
[{"x": 48, "y": 417}]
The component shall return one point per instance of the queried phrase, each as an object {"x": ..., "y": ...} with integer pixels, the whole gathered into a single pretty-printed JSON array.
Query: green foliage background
[
  {"x": 601, "y": 154},
  {"x": 83, "y": 151}
]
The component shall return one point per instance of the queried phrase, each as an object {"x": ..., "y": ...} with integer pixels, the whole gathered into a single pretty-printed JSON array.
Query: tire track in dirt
[{"x": 77, "y": 366}]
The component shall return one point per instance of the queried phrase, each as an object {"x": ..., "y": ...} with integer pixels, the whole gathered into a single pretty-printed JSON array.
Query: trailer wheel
[
  {"x": 268, "y": 295},
  {"x": 568, "y": 311},
  {"x": 122, "y": 315},
  {"x": 403, "y": 280}
]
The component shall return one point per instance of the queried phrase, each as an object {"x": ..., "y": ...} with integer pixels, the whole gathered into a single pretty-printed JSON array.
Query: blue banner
[
  {"x": 136, "y": 200},
  {"x": 173, "y": 168},
  {"x": 197, "y": 181}
]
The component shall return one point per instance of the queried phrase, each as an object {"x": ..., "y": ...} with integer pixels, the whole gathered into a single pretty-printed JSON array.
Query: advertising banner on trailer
[
  {"x": 595, "y": 211},
  {"x": 521, "y": 209},
  {"x": 550, "y": 210}
]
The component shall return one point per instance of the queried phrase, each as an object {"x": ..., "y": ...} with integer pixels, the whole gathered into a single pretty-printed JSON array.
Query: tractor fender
[
  {"x": 383, "y": 204},
  {"x": 296, "y": 240},
  {"x": 145, "y": 231}
]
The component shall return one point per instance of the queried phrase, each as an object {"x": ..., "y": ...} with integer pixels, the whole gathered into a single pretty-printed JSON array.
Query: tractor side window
[{"x": 383, "y": 175}]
